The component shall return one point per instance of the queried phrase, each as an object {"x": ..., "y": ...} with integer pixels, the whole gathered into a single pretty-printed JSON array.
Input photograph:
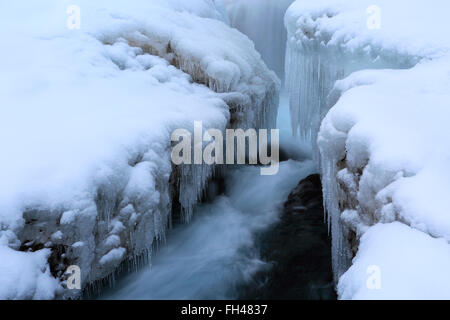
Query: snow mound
[
  {"x": 86, "y": 116},
  {"x": 26, "y": 275},
  {"x": 380, "y": 98},
  {"x": 401, "y": 268}
]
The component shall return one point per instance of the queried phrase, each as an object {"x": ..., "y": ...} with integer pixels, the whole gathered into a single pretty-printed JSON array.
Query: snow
[
  {"x": 418, "y": 270},
  {"x": 114, "y": 256},
  {"x": 86, "y": 116},
  {"x": 377, "y": 103},
  {"x": 26, "y": 275},
  {"x": 212, "y": 256}
]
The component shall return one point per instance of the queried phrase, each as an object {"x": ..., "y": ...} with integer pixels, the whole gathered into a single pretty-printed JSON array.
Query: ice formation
[
  {"x": 375, "y": 97},
  {"x": 86, "y": 118},
  {"x": 262, "y": 22}
]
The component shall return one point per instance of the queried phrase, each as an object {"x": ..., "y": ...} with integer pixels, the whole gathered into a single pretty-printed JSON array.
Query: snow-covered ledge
[
  {"x": 384, "y": 144},
  {"x": 88, "y": 112}
]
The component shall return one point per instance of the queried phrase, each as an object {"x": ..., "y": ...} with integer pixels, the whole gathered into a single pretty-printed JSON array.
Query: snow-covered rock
[
  {"x": 384, "y": 71},
  {"x": 398, "y": 262},
  {"x": 85, "y": 119}
]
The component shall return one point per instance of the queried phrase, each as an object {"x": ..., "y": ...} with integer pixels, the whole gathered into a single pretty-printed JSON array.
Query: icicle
[
  {"x": 310, "y": 75},
  {"x": 312, "y": 70},
  {"x": 262, "y": 22}
]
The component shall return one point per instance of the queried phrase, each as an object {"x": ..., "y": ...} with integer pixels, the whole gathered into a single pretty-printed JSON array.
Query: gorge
[{"x": 359, "y": 95}]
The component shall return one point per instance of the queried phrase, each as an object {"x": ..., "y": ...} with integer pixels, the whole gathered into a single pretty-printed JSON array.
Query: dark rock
[{"x": 299, "y": 249}]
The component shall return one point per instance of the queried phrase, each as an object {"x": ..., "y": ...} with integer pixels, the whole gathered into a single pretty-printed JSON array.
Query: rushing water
[{"x": 215, "y": 253}]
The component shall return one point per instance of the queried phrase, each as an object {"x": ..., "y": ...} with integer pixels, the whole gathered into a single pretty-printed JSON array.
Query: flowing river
[{"x": 216, "y": 253}]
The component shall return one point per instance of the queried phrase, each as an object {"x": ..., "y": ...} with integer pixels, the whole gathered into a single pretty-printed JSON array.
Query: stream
[
  {"x": 218, "y": 255},
  {"x": 247, "y": 243}
]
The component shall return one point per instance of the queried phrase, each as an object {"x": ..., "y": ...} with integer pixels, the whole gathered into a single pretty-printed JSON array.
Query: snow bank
[
  {"x": 410, "y": 264},
  {"x": 384, "y": 143},
  {"x": 86, "y": 118},
  {"x": 26, "y": 275}
]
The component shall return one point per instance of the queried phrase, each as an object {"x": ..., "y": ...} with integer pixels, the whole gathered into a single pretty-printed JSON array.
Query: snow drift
[
  {"x": 375, "y": 95},
  {"x": 86, "y": 118}
]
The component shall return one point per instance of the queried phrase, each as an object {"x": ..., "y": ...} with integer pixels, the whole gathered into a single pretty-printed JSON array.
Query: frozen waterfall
[{"x": 262, "y": 22}]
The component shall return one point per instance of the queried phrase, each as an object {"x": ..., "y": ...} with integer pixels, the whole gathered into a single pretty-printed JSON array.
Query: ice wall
[
  {"x": 315, "y": 61},
  {"x": 100, "y": 105},
  {"x": 380, "y": 138},
  {"x": 262, "y": 22}
]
